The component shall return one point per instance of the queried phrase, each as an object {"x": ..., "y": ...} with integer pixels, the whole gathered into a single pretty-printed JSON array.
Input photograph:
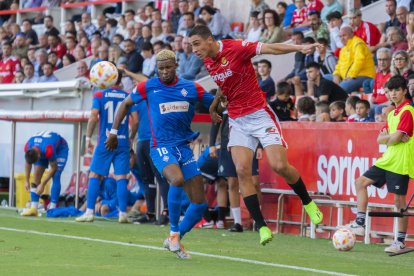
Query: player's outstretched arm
[
  {"x": 134, "y": 76},
  {"x": 283, "y": 48},
  {"x": 111, "y": 142}
]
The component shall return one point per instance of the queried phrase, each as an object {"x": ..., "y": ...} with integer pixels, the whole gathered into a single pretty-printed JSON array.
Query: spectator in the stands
[
  {"x": 68, "y": 59},
  {"x": 320, "y": 88},
  {"x": 355, "y": 64},
  {"x": 285, "y": 13},
  {"x": 114, "y": 53},
  {"x": 194, "y": 7},
  {"x": 80, "y": 53},
  {"x": 299, "y": 66},
  {"x": 141, "y": 17},
  {"x": 31, "y": 55},
  {"x": 178, "y": 45},
  {"x": 300, "y": 16},
  {"x": 129, "y": 15},
  {"x": 325, "y": 58},
  {"x": 55, "y": 45},
  {"x": 95, "y": 53},
  {"x": 184, "y": 8},
  {"x": 134, "y": 58},
  {"x": 401, "y": 64},
  {"x": 19, "y": 46},
  {"x": 53, "y": 59},
  {"x": 315, "y": 5},
  {"x": 41, "y": 59},
  {"x": 367, "y": 31},
  {"x": 82, "y": 70},
  {"x": 330, "y": 7},
  {"x": 306, "y": 109},
  {"x": 48, "y": 75},
  {"x": 402, "y": 14},
  {"x": 282, "y": 103},
  {"x": 175, "y": 15},
  {"x": 156, "y": 31},
  {"x": 31, "y": 35},
  {"x": 335, "y": 24},
  {"x": 189, "y": 65},
  {"x": 258, "y": 6},
  {"x": 156, "y": 15},
  {"x": 390, "y": 9},
  {"x": 254, "y": 31},
  {"x": 379, "y": 98},
  {"x": 86, "y": 44},
  {"x": 146, "y": 33},
  {"x": 110, "y": 28},
  {"x": 319, "y": 28},
  {"x": 48, "y": 23},
  {"x": 101, "y": 24},
  {"x": 8, "y": 64},
  {"x": 87, "y": 25},
  {"x": 273, "y": 32},
  {"x": 70, "y": 44},
  {"x": 396, "y": 39},
  {"x": 149, "y": 64},
  {"x": 122, "y": 27},
  {"x": 14, "y": 29},
  {"x": 215, "y": 21},
  {"x": 70, "y": 28},
  {"x": 167, "y": 32},
  {"x": 18, "y": 77},
  {"x": 137, "y": 36},
  {"x": 188, "y": 24},
  {"x": 337, "y": 111},
  {"x": 266, "y": 82},
  {"x": 43, "y": 41},
  {"x": 158, "y": 46},
  {"x": 28, "y": 70},
  {"x": 103, "y": 52}
]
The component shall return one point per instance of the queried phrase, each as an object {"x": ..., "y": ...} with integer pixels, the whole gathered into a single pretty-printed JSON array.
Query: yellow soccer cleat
[
  {"x": 314, "y": 213},
  {"x": 265, "y": 235},
  {"x": 31, "y": 212}
]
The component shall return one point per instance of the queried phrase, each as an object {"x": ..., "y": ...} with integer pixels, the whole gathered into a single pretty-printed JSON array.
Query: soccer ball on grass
[
  {"x": 103, "y": 75},
  {"x": 344, "y": 239}
]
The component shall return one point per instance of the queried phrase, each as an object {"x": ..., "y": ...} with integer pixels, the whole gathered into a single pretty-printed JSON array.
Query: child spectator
[
  {"x": 300, "y": 16},
  {"x": 337, "y": 111},
  {"x": 362, "y": 110},
  {"x": 283, "y": 104},
  {"x": 322, "y": 111},
  {"x": 306, "y": 109},
  {"x": 350, "y": 108},
  {"x": 315, "y": 5}
]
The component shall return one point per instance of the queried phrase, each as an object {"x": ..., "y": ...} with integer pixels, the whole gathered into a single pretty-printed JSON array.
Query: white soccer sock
[
  {"x": 236, "y": 215},
  {"x": 34, "y": 205},
  {"x": 89, "y": 212}
]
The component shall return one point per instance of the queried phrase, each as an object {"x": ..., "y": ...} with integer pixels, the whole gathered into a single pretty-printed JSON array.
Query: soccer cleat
[
  {"x": 172, "y": 243},
  {"x": 395, "y": 247},
  {"x": 31, "y": 212},
  {"x": 357, "y": 229},
  {"x": 85, "y": 218},
  {"x": 123, "y": 218},
  {"x": 236, "y": 228},
  {"x": 220, "y": 224},
  {"x": 163, "y": 220},
  {"x": 182, "y": 254},
  {"x": 265, "y": 235},
  {"x": 314, "y": 213},
  {"x": 208, "y": 225},
  {"x": 146, "y": 219}
]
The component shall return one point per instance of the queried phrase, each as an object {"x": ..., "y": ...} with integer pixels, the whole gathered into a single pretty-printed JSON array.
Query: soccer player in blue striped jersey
[
  {"x": 104, "y": 106},
  {"x": 170, "y": 102},
  {"x": 44, "y": 149}
]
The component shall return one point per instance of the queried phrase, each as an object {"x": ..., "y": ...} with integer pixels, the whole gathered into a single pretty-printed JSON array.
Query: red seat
[{"x": 237, "y": 26}]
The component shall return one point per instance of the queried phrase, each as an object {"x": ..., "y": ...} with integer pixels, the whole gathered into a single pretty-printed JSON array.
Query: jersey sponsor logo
[
  {"x": 184, "y": 92},
  {"x": 222, "y": 76},
  {"x": 180, "y": 106},
  {"x": 271, "y": 130},
  {"x": 165, "y": 158},
  {"x": 189, "y": 161},
  {"x": 156, "y": 91},
  {"x": 224, "y": 61}
]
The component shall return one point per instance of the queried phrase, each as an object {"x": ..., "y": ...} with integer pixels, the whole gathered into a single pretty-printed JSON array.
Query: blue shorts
[
  {"x": 62, "y": 152},
  {"x": 102, "y": 159},
  {"x": 181, "y": 155}
]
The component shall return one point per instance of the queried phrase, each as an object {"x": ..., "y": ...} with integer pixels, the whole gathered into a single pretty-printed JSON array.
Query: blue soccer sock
[
  {"x": 92, "y": 194},
  {"x": 122, "y": 194},
  {"x": 55, "y": 191},
  {"x": 193, "y": 215},
  {"x": 34, "y": 198},
  {"x": 174, "y": 206}
]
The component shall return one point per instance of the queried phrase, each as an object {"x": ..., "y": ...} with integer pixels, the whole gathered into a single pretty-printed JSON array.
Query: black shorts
[
  {"x": 146, "y": 167},
  {"x": 396, "y": 183},
  {"x": 209, "y": 169},
  {"x": 226, "y": 166}
]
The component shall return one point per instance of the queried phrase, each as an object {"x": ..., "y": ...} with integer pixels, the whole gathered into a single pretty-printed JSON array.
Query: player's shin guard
[
  {"x": 300, "y": 189},
  {"x": 193, "y": 215},
  {"x": 55, "y": 191},
  {"x": 122, "y": 194},
  {"x": 175, "y": 195},
  {"x": 93, "y": 192},
  {"x": 150, "y": 195},
  {"x": 34, "y": 198}
]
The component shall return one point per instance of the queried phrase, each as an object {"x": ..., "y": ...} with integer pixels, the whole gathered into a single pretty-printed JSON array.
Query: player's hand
[
  {"x": 309, "y": 48},
  {"x": 259, "y": 154},
  {"x": 89, "y": 146},
  {"x": 213, "y": 152},
  {"x": 405, "y": 138},
  {"x": 111, "y": 142},
  {"x": 27, "y": 186},
  {"x": 40, "y": 188}
]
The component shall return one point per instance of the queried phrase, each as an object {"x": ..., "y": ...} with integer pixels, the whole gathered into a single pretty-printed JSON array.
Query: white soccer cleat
[
  {"x": 357, "y": 229},
  {"x": 172, "y": 243},
  {"x": 208, "y": 225},
  {"x": 395, "y": 247},
  {"x": 220, "y": 224},
  {"x": 85, "y": 218},
  {"x": 123, "y": 218}
]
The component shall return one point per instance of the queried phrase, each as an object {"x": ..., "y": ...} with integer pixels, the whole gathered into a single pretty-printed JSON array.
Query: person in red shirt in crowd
[
  {"x": 70, "y": 45},
  {"x": 300, "y": 16},
  {"x": 364, "y": 30},
  {"x": 8, "y": 64},
  {"x": 379, "y": 99},
  {"x": 250, "y": 118},
  {"x": 315, "y": 5},
  {"x": 55, "y": 45}
]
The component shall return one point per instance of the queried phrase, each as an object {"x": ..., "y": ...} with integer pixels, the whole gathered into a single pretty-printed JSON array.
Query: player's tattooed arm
[
  {"x": 134, "y": 76},
  {"x": 111, "y": 142}
]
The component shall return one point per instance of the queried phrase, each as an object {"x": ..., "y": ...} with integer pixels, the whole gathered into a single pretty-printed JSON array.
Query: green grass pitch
[{"x": 63, "y": 247}]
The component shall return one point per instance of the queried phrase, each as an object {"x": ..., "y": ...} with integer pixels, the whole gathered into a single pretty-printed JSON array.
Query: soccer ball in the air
[
  {"x": 103, "y": 75},
  {"x": 343, "y": 239}
]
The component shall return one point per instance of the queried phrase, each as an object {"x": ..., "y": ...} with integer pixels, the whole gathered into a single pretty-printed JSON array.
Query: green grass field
[{"x": 63, "y": 247}]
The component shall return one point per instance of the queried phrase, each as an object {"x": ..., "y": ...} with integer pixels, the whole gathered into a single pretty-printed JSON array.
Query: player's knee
[
  {"x": 243, "y": 171},
  {"x": 280, "y": 167},
  {"x": 360, "y": 183},
  {"x": 176, "y": 181}
]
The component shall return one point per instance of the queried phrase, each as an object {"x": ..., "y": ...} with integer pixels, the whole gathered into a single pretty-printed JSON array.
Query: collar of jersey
[{"x": 172, "y": 84}]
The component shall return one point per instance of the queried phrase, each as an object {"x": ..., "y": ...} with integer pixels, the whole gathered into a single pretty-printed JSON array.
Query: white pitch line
[{"x": 241, "y": 260}]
